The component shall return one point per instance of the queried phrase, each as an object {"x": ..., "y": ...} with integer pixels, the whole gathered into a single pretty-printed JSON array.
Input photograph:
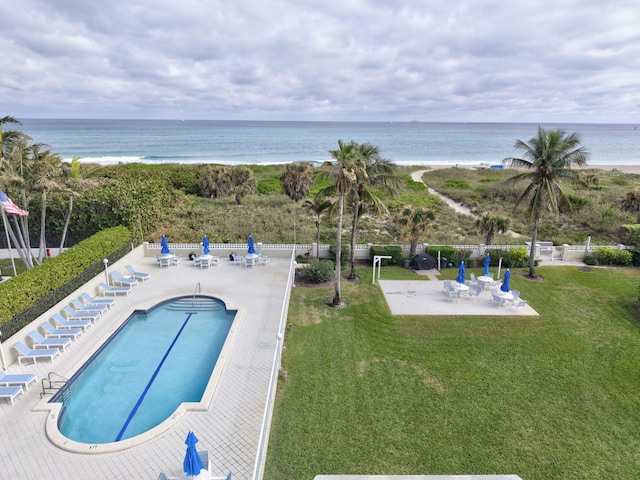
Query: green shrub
[
  {"x": 591, "y": 259},
  {"x": 445, "y": 252},
  {"x": 612, "y": 256},
  {"x": 415, "y": 186},
  {"x": 319, "y": 271},
  {"x": 344, "y": 254},
  {"x": 513, "y": 258},
  {"x": 30, "y": 286},
  {"x": 269, "y": 186},
  {"x": 459, "y": 184},
  {"x": 430, "y": 202},
  {"x": 395, "y": 252}
]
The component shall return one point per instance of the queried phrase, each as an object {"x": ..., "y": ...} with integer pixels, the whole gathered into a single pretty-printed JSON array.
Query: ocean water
[{"x": 264, "y": 142}]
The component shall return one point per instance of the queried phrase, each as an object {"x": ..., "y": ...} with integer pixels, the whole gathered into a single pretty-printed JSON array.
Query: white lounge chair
[
  {"x": 10, "y": 392},
  {"x": 205, "y": 262},
  {"x": 142, "y": 276},
  {"x": 81, "y": 307},
  {"x": 452, "y": 295},
  {"x": 64, "y": 323},
  {"x": 176, "y": 259},
  {"x": 108, "y": 289},
  {"x": 26, "y": 352},
  {"x": 265, "y": 260},
  {"x": 72, "y": 314},
  {"x": 109, "y": 302},
  {"x": 238, "y": 260},
  {"x": 249, "y": 261},
  {"x": 52, "y": 332},
  {"x": 123, "y": 281},
  {"x": 446, "y": 285},
  {"x": 41, "y": 342},
  {"x": 19, "y": 379}
]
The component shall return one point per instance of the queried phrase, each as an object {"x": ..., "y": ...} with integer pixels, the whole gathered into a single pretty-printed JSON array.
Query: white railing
[
  {"x": 362, "y": 251},
  {"x": 258, "y": 469}
]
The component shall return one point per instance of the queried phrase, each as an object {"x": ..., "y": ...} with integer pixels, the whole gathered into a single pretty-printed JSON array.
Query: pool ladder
[
  {"x": 53, "y": 383},
  {"x": 196, "y": 292}
]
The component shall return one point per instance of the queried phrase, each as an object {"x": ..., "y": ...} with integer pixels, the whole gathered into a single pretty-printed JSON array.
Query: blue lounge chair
[
  {"x": 64, "y": 323},
  {"x": 81, "y": 307},
  {"x": 26, "y": 352},
  {"x": 52, "y": 332},
  {"x": 142, "y": 276},
  {"x": 108, "y": 289},
  {"x": 10, "y": 392},
  {"x": 72, "y": 314},
  {"x": 109, "y": 302},
  {"x": 41, "y": 342},
  {"x": 123, "y": 281},
  {"x": 19, "y": 379}
]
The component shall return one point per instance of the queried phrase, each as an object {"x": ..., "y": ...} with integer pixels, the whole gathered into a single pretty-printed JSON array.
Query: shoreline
[{"x": 631, "y": 169}]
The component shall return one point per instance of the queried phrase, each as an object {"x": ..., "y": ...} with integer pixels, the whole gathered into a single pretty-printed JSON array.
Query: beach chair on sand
[
  {"x": 20, "y": 379},
  {"x": 10, "y": 392},
  {"x": 26, "y": 352}
]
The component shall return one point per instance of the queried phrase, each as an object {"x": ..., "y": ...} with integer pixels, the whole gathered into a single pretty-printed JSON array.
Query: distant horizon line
[{"x": 326, "y": 121}]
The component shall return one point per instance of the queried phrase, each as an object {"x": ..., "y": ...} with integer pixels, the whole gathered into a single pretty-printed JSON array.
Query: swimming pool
[{"x": 155, "y": 362}]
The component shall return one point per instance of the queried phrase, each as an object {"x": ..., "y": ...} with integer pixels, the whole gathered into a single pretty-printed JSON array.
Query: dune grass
[{"x": 549, "y": 397}]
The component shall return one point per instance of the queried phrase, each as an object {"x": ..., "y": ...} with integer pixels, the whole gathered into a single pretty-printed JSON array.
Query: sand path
[{"x": 459, "y": 208}]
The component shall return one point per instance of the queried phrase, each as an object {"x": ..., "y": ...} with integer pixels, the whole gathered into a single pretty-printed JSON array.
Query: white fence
[{"x": 544, "y": 250}]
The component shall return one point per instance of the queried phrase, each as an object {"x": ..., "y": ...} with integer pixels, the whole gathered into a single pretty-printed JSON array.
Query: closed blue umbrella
[
  {"x": 487, "y": 259},
  {"x": 252, "y": 248},
  {"x": 164, "y": 243},
  {"x": 205, "y": 245},
  {"x": 505, "y": 281},
  {"x": 461, "y": 273},
  {"x": 192, "y": 463}
]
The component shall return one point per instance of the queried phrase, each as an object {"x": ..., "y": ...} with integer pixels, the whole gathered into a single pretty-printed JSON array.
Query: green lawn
[{"x": 549, "y": 397}]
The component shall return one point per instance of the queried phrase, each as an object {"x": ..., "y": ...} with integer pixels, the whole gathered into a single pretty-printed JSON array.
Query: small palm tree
[
  {"x": 549, "y": 157},
  {"x": 297, "y": 179},
  {"x": 631, "y": 202},
  {"x": 490, "y": 225},
  {"x": 317, "y": 207},
  {"x": 412, "y": 222}
]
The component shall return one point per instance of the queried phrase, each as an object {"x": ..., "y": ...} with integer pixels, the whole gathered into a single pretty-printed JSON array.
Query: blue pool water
[{"x": 155, "y": 361}]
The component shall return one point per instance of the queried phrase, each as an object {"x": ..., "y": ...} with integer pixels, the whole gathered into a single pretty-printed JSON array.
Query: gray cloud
[{"x": 486, "y": 60}]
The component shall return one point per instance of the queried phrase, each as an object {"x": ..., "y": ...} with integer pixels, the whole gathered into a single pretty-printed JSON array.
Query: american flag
[{"x": 10, "y": 207}]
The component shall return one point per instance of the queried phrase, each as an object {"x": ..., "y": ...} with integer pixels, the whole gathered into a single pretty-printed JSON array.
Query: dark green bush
[
  {"x": 612, "y": 256},
  {"x": 319, "y": 271},
  {"x": 30, "y": 286},
  {"x": 514, "y": 258},
  {"x": 394, "y": 251},
  {"x": 460, "y": 184},
  {"x": 591, "y": 259},
  {"x": 269, "y": 186},
  {"x": 445, "y": 252},
  {"x": 344, "y": 254}
]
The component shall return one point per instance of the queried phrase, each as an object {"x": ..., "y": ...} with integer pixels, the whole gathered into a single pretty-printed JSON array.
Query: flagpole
[{"x": 6, "y": 231}]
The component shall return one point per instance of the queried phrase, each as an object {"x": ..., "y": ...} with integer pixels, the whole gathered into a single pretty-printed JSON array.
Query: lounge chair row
[
  {"x": 58, "y": 336},
  {"x": 12, "y": 385}
]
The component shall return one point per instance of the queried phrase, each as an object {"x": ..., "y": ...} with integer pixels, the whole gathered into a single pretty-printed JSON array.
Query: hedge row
[{"x": 21, "y": 292}]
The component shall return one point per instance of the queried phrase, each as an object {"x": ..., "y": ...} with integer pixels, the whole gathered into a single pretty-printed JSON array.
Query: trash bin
[{"x": 443, "y": 263}]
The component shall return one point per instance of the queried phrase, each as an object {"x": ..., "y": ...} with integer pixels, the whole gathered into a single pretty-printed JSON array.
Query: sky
[{"x": 330, "y": 60}]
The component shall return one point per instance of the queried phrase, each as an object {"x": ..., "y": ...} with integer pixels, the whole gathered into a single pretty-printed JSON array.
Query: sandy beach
[{"x": 635, "y": 169}]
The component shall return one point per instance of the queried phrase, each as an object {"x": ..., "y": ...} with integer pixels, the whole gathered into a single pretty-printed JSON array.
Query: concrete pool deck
[{"x": 229, "y": 429}]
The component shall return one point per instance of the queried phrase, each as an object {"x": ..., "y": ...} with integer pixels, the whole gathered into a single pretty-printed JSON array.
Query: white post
[
  {"x": 377, "y": 259},
  {"x": 499, "y": 267},
  {"x": 587, "y": 245},
  {"x": 4, "y": 361},
  {"x": 106, "y": 272}
]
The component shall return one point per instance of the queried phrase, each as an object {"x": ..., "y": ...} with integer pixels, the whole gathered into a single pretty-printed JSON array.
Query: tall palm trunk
[
  {"x": 42, "y": 246},
  {"x": 337, "y": 295},
  {"x": 354, "y": 234},
  {"x": 532, "y": 250},
  {"x": 67, "y": 218}
]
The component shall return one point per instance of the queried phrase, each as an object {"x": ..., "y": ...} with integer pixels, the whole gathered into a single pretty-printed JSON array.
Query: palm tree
[
  {"x": 375, "y": 176},
  {"x": 412, "y": 221},
  {"x": 347, "y": 163},
  {"x": 490, "y": 225},
  {"x": 297, "y": 179},
  {"x": 549, "y": 156},
  {"x": 317, "y": 207},
  {"x": 242, "y": 182},
  {"x": 631, "y": 202}
]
